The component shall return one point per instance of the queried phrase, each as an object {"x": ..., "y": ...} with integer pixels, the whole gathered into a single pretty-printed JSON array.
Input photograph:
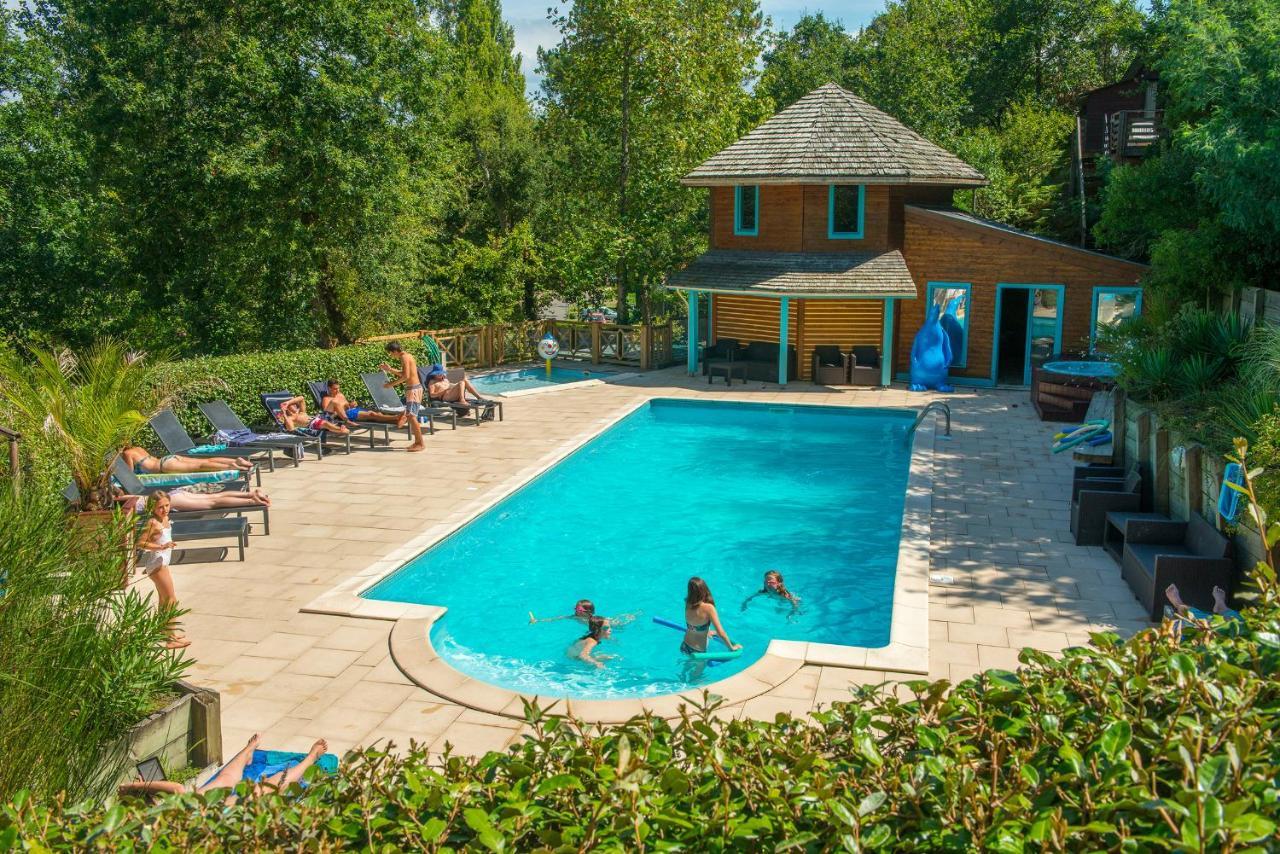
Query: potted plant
[{"x": 90, "y": 405}]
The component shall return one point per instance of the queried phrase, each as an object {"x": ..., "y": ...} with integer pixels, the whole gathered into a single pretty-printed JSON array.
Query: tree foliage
[{"x": 1205, "y": 206}]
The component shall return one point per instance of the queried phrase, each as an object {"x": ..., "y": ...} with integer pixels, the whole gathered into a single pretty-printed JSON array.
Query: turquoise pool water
[
  {"x": 504, "y": 381},
  {"x": 1102, "y": 370},
  {"x": 677, "y": 488}
]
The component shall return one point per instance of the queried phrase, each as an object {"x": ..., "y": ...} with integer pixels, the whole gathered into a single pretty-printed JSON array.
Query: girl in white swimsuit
[{"x": 155, "y": 551}]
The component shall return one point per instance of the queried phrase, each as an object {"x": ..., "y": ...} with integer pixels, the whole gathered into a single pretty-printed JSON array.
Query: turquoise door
[{"x": 1028, "y": 330}]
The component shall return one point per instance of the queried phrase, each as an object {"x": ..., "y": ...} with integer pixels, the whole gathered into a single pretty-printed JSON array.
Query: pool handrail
[{"x": 935, "y": 405}]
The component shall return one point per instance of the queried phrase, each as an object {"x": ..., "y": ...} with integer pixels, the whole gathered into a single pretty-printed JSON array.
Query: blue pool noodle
[{"x": 1228, "y": 498}]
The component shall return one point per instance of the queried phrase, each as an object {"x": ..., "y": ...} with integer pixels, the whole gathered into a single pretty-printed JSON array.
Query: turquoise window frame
[
  {"x": 1098, "y": 291},
  {"x": 738, "y": 230},
  {"x": 1001, "y": 287},
  {"x": 832, "y": 234},
  {"x": 960, "y": 360}
]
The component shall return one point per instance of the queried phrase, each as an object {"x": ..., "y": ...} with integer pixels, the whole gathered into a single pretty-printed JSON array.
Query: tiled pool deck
[{"x": 999, "y": 530}]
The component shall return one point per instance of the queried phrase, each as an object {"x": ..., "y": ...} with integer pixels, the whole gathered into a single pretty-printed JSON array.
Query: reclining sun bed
[
  {"x": 320, "y": 390},
  {"x": 131, "y": 484},
  {"x": 478, "y": 408},
  {"x": 238, "y": 434},
  {"x": 388, "y": 402},
  {"x": 178, "y": 441}
]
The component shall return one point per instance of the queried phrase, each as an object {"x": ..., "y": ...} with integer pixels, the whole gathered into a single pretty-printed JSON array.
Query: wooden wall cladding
[
  {"x": 793, "y": 218},
  {"x": 940, "y": 250},
  {"x": 812, "y": 322}
]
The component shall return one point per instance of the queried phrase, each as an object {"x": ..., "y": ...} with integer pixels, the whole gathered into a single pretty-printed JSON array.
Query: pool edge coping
[{"x": 906, "y": 654}]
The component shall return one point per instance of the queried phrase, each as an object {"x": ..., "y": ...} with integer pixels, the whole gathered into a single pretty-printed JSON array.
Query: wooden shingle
[
  {"x": 832, "y": 136},
  {"x": 799, "y": 274}
]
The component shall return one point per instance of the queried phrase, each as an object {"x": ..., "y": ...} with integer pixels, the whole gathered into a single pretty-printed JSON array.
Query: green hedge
[
  {"x": 1148, "y": 744},
  {"x": 244, "y": 377}
]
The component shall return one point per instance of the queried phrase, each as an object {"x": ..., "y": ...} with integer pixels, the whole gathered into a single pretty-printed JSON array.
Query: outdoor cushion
[
  {"x": 866, "y": 357},
  {"x": 167, "y": 480}
]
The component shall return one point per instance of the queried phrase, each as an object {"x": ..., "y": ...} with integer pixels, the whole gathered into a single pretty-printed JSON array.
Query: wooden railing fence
[{"x": 642, "y": 346}]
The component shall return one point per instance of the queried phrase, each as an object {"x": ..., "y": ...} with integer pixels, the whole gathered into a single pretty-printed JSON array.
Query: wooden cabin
[{"x": 831, "y": 224}]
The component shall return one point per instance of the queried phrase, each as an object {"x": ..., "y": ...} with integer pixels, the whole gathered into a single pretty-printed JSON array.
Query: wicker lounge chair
[
  {"x": 228, "y": 423},
  {"x": 178, "y": 441},
  {"x": 725, "y": 350},
  {"x": 1093, "y": 498},
  {"x": 831, "y": 366},
  {"x": 865, "y": 369},
  {"x": 320, "y": 390},
  {"x": 1160, "y": 552}
]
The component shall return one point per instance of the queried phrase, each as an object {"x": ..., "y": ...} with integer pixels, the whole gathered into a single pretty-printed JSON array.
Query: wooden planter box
[{"x": 186, "y": 732}]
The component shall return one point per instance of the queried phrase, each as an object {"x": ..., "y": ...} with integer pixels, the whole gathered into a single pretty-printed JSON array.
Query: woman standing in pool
[{"x": 700, "y": 617}]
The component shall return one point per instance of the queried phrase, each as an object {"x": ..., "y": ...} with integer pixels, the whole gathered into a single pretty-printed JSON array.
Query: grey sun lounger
[
  {"x": 178, "y": 441},
  {"x": 226, "y": 421},
  {"x": 187, "y": 530},
  {"x": 129, "y": 483},
  {"x": 388, "y": 402},
  {"x": 484, "y": 408},
  {"x": 273, "y": 400},
  {"x": 319, "y": 390}
]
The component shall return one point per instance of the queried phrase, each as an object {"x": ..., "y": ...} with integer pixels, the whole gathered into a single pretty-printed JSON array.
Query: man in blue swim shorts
[{"x": 336, "y": 404}]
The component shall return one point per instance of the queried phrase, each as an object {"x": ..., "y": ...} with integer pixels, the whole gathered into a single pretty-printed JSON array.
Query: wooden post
[
  {"x": 886, "y": 345},
  {"x": 1193, "y": 477},
  {"x": 646, "y": 347},
  {"x": 1144, "y": 459},
  {"x": 595, "y": 343},
  {"x": 1160, "y": 471},
  {"x": 1118, "y": 426}
]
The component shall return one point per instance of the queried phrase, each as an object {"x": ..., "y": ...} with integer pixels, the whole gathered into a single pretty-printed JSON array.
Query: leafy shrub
[
  {"x": 80, "y": 662},
  {"x": 244, "y": 377}
]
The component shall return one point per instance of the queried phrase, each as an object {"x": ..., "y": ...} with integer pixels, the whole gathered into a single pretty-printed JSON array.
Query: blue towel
[
  {"x": 206, "y": 449},
  {"x": 268, "y": 762}
]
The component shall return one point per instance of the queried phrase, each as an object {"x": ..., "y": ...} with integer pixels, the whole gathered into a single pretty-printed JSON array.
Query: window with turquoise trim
[
  {"x": 952, "y": 300},
  {"x": 1111, "y": 307},
  {"x": 844, "y": 211},
  {"x": 746, "y": 211}
]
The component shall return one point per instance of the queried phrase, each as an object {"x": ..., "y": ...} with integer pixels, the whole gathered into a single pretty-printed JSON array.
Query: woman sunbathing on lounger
[
  {"x": 342, "y": 409},
  {"x": 293, "y": 416},
  {"x": 141, "y": 461},
  {"x": 231, "y": 775},
  {"x": 439, "y": 388}
]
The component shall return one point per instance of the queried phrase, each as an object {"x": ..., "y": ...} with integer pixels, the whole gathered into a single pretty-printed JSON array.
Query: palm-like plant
[{"x": 90, "y": 405}]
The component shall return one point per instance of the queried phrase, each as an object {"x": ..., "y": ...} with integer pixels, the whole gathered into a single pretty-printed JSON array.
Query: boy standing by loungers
[{"x": 412, "y": 390}]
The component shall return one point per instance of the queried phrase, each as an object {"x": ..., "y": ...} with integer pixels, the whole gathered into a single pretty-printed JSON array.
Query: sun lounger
[
  {"x": 130, "y": 483},
  {"x": 319, "y": 390},
  {"x": 186, "y": 530},
  {"x": 273, "y": 400},
  {"x": 178, "y": 441},
  {"x": 388, "y": 402},
  {"x": 238, "y": 434},
  {"x": 484, "y": 409}
]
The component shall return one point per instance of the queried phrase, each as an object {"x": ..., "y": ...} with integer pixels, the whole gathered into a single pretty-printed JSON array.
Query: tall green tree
[
  {"x": 1204, "y": 208},
  {"x": 814, "y": 52},
  {"x": 636, "y": 93},
  {"x": 257, "y": 174}
]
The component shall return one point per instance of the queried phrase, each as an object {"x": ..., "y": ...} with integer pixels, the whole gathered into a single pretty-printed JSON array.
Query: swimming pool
[
  {"x": 501, "y": 382},
  {"x": 677, "y": 488}
]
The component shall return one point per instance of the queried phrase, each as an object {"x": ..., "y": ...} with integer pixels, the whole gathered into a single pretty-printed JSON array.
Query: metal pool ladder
[{"x": 936, "y": 406}]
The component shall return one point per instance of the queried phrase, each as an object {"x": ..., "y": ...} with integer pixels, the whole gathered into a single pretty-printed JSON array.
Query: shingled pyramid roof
[{"x": 830, "y": 136}]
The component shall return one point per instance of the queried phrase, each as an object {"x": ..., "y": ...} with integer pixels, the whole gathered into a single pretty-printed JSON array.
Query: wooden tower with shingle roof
[{"x": 809, "y": 241}]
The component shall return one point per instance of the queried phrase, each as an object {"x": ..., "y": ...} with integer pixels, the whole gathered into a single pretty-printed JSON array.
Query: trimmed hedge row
[
  {"x": 243, "y": 377},
  {"x": 1155, "y": 743}
]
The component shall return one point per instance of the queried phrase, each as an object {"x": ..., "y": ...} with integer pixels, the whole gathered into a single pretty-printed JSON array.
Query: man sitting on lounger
[
  {"x": 336, "y": 404},
  {"x": 439, "y": 387},
  {"x": 293, "y": 416}
]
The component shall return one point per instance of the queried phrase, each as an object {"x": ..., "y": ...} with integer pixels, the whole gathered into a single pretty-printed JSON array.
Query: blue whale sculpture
[{"x": 931, "y": 355}]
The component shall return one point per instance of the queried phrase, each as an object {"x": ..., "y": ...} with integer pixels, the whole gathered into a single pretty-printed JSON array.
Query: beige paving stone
[
  {"x": 471, "y": 739},
  {"x": 768, "y": 708},
  {"x": 323, "y": 662},
  {"x": 1047, "y": 641},
  {"x": 283, "y": 645},
  {"x": 946, "y": 652},
  {"x": 356, "y": 639},
  {"x": 990, "y": 635},
  {"x": 250, "y": 669},
  {"x": 424, "y": 719},
  {"x": 373, "y": 696},
  {"x": 1014, "y": 618},
  {"x": 1001, "y": 657}
]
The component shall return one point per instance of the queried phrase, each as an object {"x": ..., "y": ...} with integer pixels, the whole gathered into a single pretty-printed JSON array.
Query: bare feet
[
  {"x": 243, "y": 464},
  {"x": 260, "y": 497},
  {"x": 1220, "y": 605},
  {"x": 402, "y": 420},
  {"x": 177, "y": 643},
  {"x": 415, "y": 447},
  {"x": 320, "y": 748},
  {"x": 1171, "y": 593}
]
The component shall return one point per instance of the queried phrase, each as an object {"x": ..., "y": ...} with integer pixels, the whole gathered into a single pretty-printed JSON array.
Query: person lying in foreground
[{"x": 229, "y": 776}]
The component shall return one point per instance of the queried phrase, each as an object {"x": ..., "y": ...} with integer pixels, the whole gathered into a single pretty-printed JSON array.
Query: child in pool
[
  {"x": 583, "y": 612},
  {"x": 774, "y": 586},
  {"x": 597, "y": 631}
]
